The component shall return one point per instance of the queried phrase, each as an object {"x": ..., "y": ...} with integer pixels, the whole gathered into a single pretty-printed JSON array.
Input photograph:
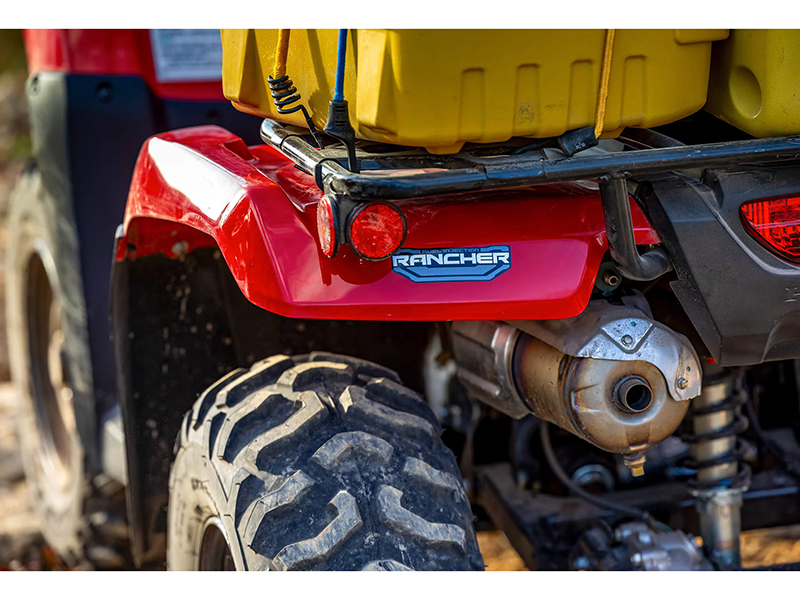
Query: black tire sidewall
[
  {"x": 193, "y": 505},
  {"x": 38, "y": 225}
]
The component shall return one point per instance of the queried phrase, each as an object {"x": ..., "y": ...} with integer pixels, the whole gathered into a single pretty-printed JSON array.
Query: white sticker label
[{"x": 186, "y": 54}]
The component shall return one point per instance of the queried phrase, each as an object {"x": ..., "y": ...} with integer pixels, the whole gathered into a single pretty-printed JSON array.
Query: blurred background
[{"x": 21, "y": 544}]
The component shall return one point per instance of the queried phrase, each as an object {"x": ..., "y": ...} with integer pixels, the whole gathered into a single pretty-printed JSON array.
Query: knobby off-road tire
[
  {"x": 51, "y": 367},
  {"x": 318, "y": 462}
]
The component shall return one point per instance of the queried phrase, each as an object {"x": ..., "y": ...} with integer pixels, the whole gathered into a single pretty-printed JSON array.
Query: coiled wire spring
[
  {"x": 284, "y": 95},
  {"x": 733, "y": 402}
]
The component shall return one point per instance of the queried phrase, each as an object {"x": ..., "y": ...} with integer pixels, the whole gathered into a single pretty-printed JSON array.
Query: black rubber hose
[{"x": 577, "y": 490}]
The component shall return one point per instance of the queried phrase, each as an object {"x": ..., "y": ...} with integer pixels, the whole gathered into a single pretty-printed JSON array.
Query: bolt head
[
  {"x": 682, "y": 383},
  {"x": 627, "y": 340},
  {"x": 635, "y": 462}
]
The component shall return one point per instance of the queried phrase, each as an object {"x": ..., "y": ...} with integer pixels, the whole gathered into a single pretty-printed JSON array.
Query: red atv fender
[{"x": 203, "y": 187}]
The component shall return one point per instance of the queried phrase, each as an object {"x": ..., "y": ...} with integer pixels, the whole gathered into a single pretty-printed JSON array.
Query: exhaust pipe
[{"x": 624, "y": 394}]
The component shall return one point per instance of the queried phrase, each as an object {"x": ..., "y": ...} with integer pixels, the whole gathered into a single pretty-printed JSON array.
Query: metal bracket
[
  {"x": 608, "y": 332},
  {"x": 621, "y": 240}
]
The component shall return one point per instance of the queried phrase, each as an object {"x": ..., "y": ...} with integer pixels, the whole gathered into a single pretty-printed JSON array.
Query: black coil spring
[
  {"x": 734, "y": 403},
  {"x": 284, "y": 94}
]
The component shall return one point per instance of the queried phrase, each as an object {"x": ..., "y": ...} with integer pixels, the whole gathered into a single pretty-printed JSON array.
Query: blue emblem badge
[{"x": 452, "y": 264}]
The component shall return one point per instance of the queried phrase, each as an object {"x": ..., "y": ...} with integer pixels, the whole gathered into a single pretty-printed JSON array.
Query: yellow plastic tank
[
  {"x": 441, "y": 88},
  {"x": 755, "y": 81}
]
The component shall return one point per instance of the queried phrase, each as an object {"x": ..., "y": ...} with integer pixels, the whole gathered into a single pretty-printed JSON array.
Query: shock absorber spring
[
  {"x": 721, "y": 477},
  {"x": 285, "y": 95}
]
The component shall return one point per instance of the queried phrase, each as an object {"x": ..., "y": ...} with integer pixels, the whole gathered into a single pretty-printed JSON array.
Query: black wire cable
[
  {"x": 577, "y": 490},
  {"x": 536, "y": 145}
]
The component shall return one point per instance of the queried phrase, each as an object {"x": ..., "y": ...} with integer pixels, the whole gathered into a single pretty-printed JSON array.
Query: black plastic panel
[{"x": 743, "y": 300}]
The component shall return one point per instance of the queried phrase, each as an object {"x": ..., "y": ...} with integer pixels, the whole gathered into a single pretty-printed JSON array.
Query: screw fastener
[
  {"x": 635, "y": 462},
  {"x": 180, "y": 248}
]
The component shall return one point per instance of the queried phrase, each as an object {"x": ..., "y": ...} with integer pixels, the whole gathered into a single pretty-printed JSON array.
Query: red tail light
[
  {"x": 776, "y": 224},
  {"x": 376, "y": 230},
  {"x": 326, "y": 227}
]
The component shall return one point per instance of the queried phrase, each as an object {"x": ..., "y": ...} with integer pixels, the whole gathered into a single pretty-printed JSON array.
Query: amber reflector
[
  {"x": 376, "y": 230},
  {"x": 776, "y": 224},
  {"x": 326, "y": 227}
]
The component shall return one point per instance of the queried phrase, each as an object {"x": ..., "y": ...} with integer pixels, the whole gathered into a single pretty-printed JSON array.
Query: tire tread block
[
  {"x": 336, "y": 435},
  {"x": 426, "y": 474},
  {"x": 291, "y": 491},
  {"x": 345, "y": 445},
  {"x": 405, "y": 522},
  {"x": 345, "y": 524},
  {"x": 311, "y": 410},
  {"x": 355, "y": 402}
]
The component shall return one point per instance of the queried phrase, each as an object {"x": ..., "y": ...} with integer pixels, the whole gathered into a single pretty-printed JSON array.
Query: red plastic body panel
[
  {"x": 108, "y": 52},
  {"x": 260, "y": 211}
]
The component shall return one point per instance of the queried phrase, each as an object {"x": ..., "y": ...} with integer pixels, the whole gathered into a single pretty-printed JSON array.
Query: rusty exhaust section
[{"x": 623, "y": 392}]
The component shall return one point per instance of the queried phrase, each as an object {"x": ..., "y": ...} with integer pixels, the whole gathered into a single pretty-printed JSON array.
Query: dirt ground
[{"x": 21, "y": 543}]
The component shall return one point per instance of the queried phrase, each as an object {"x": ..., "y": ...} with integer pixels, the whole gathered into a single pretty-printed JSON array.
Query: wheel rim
[
  {"x": 215, "y": 555},
  {"x": 50, "y": 389}
]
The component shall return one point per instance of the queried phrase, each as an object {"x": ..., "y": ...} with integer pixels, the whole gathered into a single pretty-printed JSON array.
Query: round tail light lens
[
  {"x": 376, "y": 230},
  {"x": 326, "y": 227}
]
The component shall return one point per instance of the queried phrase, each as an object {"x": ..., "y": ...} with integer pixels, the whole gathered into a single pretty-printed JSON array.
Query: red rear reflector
[
  {"x": 326, "y": 227},
  {"x": 376, "y": 230},
  {"x": 776, "y": 224}
]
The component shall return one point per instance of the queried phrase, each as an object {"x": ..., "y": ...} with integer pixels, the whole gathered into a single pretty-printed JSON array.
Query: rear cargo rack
[
  {"x": 464, "y": 172},
  {"x": 413, "y": 173}
]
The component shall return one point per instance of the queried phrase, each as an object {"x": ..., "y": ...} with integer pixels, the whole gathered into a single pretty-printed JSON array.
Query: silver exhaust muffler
[{"x": 612, "y": 376}]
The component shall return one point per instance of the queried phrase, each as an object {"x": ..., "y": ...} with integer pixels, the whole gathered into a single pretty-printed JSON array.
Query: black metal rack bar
[
  {"x": 472, "y": 173},
  {"x": 518, "y": 171}
]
